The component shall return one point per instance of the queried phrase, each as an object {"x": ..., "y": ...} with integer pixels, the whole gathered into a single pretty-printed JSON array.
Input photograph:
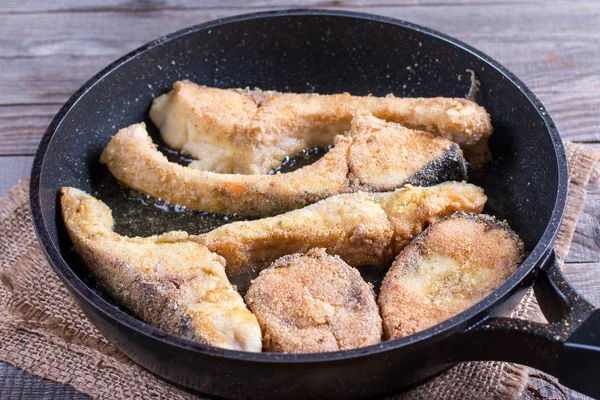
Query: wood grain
[
  {"x": 12, "y": 170},
  {"x": 33, "y": 6},
  {"x": 50, "y": 48},
  {"x": 554, "y": 53},
  {"x": 586, "y": 240},
  {"x": 21, "y": 127},
  {"x": 542, "y": 386},
  {"x": 16, "y": 384},
  {"x": 585, "y": 247},
  {"x": 584, "y": 278}
]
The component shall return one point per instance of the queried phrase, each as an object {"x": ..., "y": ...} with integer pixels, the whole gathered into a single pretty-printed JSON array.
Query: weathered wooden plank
[
  {"x": 585, "y": 278},
  {"x": 46, "y": 80},
  {"x": 540, "y": 66},
  {"x": 46, "y": 59},
  {"x": 586, "y": 240},
  {"x": 17, "y": 384},
  {"x": 570, "y": 93},
  {"x": 12, "y": 170},
  {"x": 80, "y": 34},
  {"x": 585, "y": 247},
  {"x": 101, "y": 33},
  {"x": 21, "y": 127},
  {"x": 32, "y": 6},
  {"x": 543, "y": 386}
]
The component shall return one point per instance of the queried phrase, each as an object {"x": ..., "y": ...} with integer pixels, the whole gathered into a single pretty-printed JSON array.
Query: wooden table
[{"x": 49, "y": 48}]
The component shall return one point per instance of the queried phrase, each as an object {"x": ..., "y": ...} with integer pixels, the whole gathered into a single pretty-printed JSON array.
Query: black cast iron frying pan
[{"x": 330, "y": 52}]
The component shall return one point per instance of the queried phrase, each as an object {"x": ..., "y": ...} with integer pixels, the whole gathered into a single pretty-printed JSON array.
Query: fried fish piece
[
  {"x": 167, "y": 280},
  {"x": 314, "y": 302},
  {"x": 134, "y": 160},
  {"x": 452, "y": 265},
  {"x": 374, "y": 156},
  {"x": 252, "y": 131},
  {"x": 352, "y": 226},
  {"x": 384, "y": 156},
  {"x": 362, "y": 228}
]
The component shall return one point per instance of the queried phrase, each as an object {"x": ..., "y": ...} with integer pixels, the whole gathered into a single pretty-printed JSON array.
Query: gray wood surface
[
  {"x": 49, "y": 48},
  {"x": 16, "y": 384},
  {"x": 13, "y": 169}
]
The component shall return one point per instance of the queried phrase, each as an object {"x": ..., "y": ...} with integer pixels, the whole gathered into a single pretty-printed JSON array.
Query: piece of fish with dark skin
[
  {"x": 314, "y": 302},
  {"x": 251, "y": 131},
  {"x": 364, "y": 229},
  {"x": 373, "y": 156},
  {"x": 168, "y": 281},
  {"x": 449, "y": 267}
]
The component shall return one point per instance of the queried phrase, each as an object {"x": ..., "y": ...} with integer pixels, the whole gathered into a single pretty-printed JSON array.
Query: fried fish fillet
[
  {"x": 383, "y": 156},
  {"x": 373, "y": 156},
  {"x": 252, "y": 131},
  {"x": 362, "y": 228},
  {"x": 167, "y": 280},
  {"x": 314, "y": 302},
  {"x": 449, "y": 267}
]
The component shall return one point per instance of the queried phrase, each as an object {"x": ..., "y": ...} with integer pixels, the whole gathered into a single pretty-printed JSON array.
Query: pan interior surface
[{"x": 304, "y": 53}]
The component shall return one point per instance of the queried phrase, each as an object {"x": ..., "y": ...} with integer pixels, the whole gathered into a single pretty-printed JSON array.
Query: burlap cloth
[{"x": 43, "y": 332}]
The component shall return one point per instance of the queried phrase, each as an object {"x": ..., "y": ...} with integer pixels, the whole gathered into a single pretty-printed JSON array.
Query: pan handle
[{"x": 568, "y": 347}]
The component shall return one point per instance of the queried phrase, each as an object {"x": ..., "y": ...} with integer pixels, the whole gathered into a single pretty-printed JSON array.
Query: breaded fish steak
[
  {"x": 314, "y": 302},
  {"x": 252, "y": 131},
  {"x": 452, "y": 265},
  {"x": 168, "y": 281},
  {"x": 362, "y": 228},
  {"x": 373, "y": 156}
]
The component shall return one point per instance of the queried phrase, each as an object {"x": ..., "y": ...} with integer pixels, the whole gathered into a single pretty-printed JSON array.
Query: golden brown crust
[
  {"x": 374, "y": 156},
  {"x": 314, "y": 302},
  {"x": 167, "y": 280},
  {"x": 134, "y": 160},
  {"x": 349, "y": 225},
  {"x": 385, "y": 155},
  {"x": 251, "y": 131},
  {"x": 412, "y": 209},
  {"x": 362, "y": 228},
  {"x": 449, "y": 267}
]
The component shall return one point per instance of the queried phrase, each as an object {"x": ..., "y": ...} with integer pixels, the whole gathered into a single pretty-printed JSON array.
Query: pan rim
[{"x": 446, "y": 328}]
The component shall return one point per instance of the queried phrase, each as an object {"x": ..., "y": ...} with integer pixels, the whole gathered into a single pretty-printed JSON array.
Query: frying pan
[{"x": 331, "y": 52}]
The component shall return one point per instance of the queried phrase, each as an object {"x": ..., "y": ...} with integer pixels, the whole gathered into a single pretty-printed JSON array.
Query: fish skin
[
  {"x": 251, "y": 131},
  {"x": 450, "y": 266},
  {"x": 373, "y": 156},
  {"x": 364, "y": 229},
  {"x": 168, "y": 280}
]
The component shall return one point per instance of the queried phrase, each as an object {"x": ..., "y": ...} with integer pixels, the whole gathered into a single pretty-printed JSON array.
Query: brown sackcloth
[{"x": 43, "y": 332}]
